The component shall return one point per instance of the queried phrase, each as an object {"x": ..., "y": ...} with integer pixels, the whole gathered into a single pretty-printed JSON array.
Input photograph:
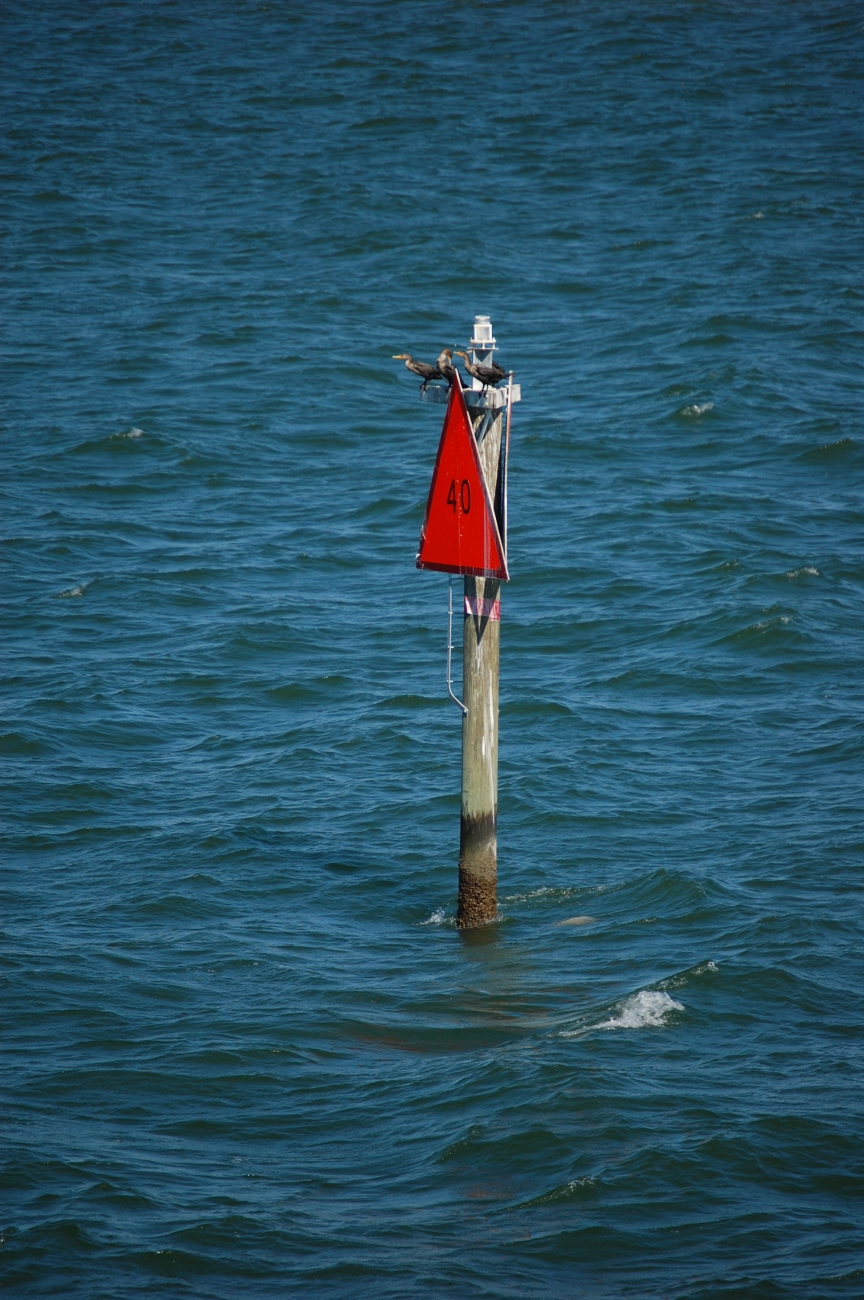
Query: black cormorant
[
  {"x": 446, "y": 368},
  {"x": 421, "y": 368},
  {"x": 488, "y": 375}
]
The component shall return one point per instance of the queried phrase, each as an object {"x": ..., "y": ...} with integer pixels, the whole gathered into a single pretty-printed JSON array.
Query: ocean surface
[{"x": 246, "y": 1053}]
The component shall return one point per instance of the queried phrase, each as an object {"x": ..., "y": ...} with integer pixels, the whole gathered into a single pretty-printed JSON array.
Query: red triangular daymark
[{"x": 460, "y": 533}]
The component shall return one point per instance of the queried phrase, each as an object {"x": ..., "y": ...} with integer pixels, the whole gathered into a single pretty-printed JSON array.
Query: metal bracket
[{"x": 487, "y": 399}]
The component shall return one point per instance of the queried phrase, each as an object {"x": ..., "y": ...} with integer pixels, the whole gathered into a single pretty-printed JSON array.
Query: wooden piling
[
  {"x": 478, "y": 839},
  {"x": 456, "y": 539}
]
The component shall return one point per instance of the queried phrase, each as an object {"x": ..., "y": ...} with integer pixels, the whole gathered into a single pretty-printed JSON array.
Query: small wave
[
  {"x": 72, "y": 591},
  {"x": 646, "y": 1009},
  {"x": 806, "y": 570},
  {"x": 577, "y": 920},
  {"x": 576, "y": 1187},
  {"x": 763, "y": 630},
  {"x": 134, "y": 432},
  {"x": 698, "y": 408},
  {"x": 781, "y": 620},
  {"x": 830, "y": 450},
  {"x": 552, "y": 893},
  {"x": 683, "y": 978}
]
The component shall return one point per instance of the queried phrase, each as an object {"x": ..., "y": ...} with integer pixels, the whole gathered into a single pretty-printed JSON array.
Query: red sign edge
[{"x": 502, "y": 573}]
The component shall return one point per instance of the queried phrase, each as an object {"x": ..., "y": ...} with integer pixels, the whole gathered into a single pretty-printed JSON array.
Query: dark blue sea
[{"x": 246, "y": 1052}]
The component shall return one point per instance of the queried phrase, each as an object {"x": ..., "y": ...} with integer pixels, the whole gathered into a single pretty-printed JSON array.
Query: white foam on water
[
  {"x": 438, "y": 917},
  {"x": 72, "y": 591},
  {"x": 646, "y": 1009},
  {"x": 808, "y": 569},
  {"x": 134, "y": 432},
  {"x": 697, "y": 409}
]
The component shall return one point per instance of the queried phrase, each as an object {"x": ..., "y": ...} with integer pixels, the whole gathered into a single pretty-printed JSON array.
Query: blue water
[{"x": 246, "y": 1053}]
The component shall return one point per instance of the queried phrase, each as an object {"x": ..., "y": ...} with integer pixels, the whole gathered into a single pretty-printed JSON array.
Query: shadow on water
[{"x": 481, "y": 937}]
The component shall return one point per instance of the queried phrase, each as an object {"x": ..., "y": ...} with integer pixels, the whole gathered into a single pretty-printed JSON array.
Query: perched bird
[
  {"x": 421, "y": 368},
  {"x": 446, "y": 368},
  {"x": 486, "y": 374}
]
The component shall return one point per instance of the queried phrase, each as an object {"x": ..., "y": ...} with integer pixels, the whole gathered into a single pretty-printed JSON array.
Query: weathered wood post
[
  {"x": 465, "y": 532},
  {"x": 478, "y": 829}
]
